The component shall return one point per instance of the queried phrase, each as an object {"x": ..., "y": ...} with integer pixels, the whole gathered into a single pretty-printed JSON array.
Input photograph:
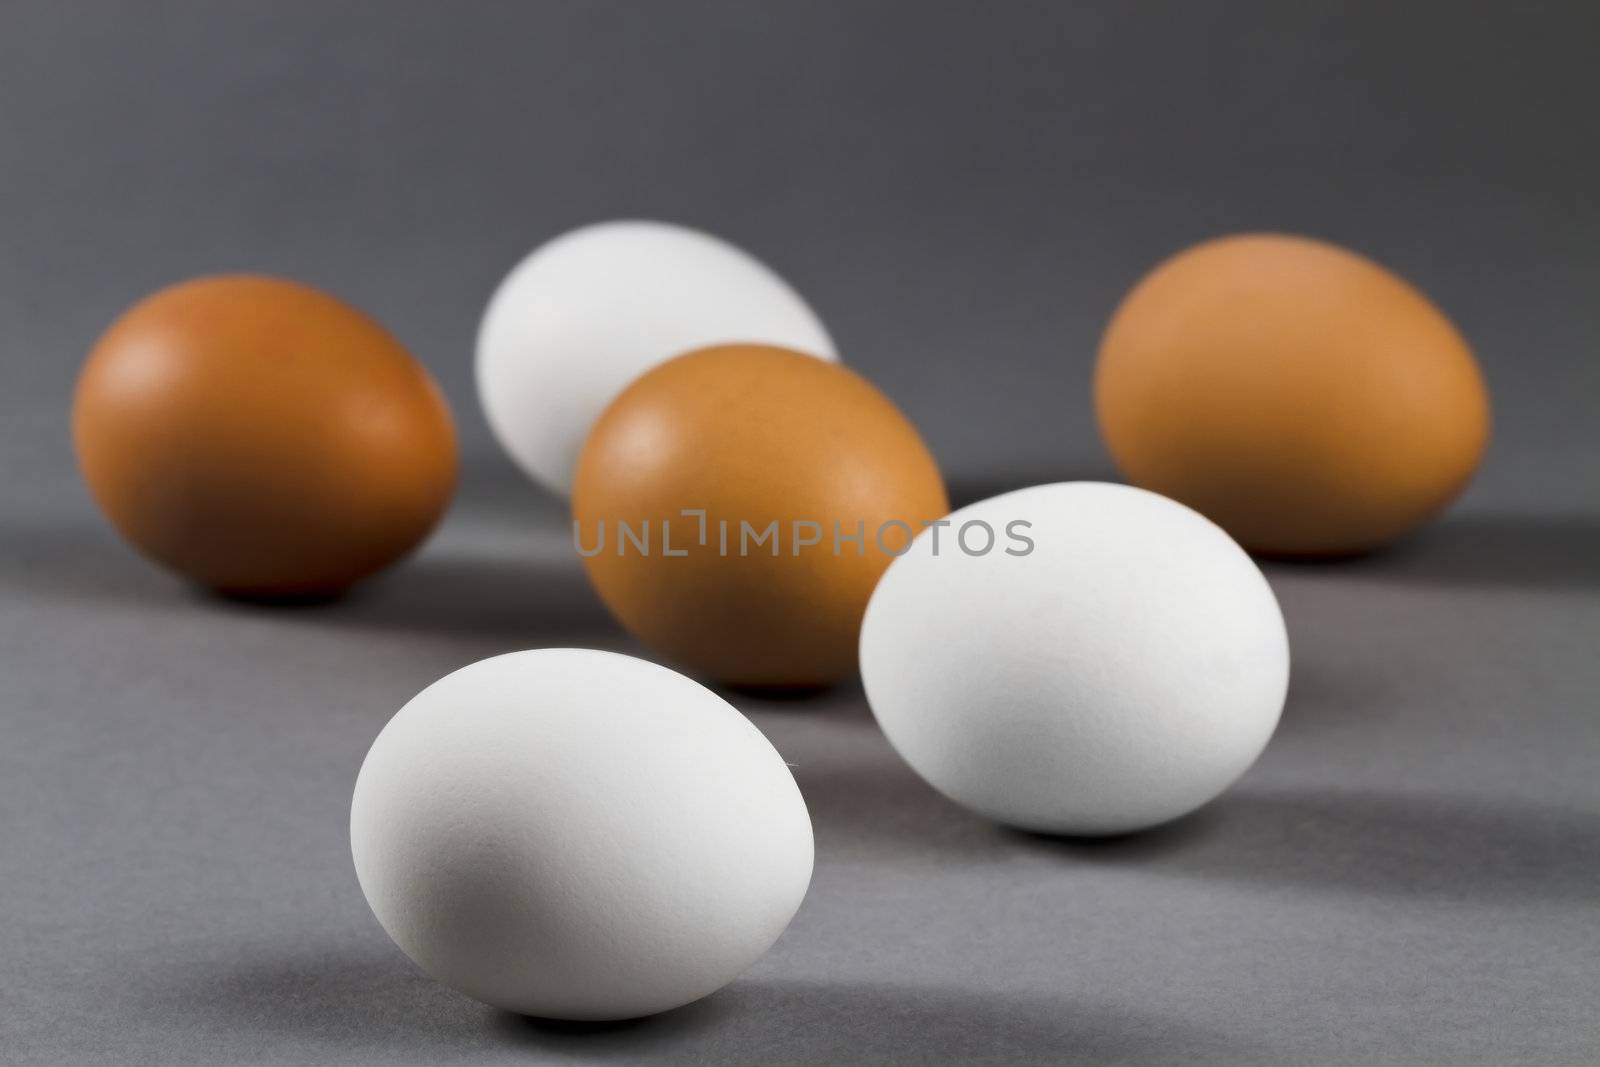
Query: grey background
[{"x": 1410, "y": 874}]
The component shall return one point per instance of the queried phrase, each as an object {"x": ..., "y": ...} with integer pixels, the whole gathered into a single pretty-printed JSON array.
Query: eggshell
[
  {"x": 1121, "y": 673},
  {"x": 262, "y": 437},
  {"x": 578, "y": 835},
  {"x": 751, "y": 435},
  {"x": 586, "y": 313},
  {"x": 1302, "y": 396}
]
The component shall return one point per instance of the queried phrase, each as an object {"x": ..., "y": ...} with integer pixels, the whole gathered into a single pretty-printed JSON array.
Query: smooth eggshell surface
[
  {"x": 578, "y": 835},
  {"x": 750, "y": 435},
  {"x": 1122, "y": 673},
  {"x": 261, "y": 437},
  {"x": 1302, "y": 396},
  {"x": 589, "y": 311}
]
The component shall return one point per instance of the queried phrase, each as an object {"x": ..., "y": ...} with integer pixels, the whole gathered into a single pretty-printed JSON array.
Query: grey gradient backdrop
[{"x": 1410, "y": 875}]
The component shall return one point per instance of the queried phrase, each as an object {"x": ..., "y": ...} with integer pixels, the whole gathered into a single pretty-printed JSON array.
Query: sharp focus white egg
[
  {"x": 591, "y": 310},
  {"x": 1122, "y": 671},
  {"x": 579, "y": 835}
]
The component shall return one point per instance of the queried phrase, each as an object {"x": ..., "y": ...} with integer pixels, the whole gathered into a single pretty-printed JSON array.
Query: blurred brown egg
[
  {"x": 1301, "y": 396},
  {"x": 764, "y": 441},
  {"x": 261, "y": 437}
]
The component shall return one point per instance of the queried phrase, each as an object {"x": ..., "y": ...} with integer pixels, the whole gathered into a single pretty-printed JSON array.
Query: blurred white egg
[
  {"x": 589, "y": 311},
  {"x": 578, "y": 835},
  {"x": 1122, "y": 671}
]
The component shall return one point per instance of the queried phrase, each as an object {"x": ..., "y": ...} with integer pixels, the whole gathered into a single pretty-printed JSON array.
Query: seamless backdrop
[{"x": 963, "y": 191}]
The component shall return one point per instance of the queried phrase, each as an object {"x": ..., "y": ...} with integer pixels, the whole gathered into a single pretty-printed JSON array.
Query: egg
[
  {"x": 261, "y": 437},
  {"x": 1112, "y": 662},
  {"x": 578, "y": 835},
  {"x": 735, "y": 506},
  {"x": 1302, "y": 396},
  {"x": 586, "y": 313}
]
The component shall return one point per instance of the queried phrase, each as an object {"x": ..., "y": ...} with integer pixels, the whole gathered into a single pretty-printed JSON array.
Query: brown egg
[
  {"x": 261, "y": 437},
  {"x": 765, "y": 441},
  {"x": 1304, "y": 398}
]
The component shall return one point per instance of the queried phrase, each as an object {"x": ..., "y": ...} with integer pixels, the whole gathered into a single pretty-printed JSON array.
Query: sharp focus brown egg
[
  {"x": 1304, "y": 398},
  {"x": 763, "y": 441},
  {"x": 261, "y": 437}
]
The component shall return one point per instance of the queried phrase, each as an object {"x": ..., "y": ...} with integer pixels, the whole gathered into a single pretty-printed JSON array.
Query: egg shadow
[
  {"x": 77, "y": 560},
  {"x": 849, "y": 1021},
  {"x": 1366, "y": 844},
  {"x": 865, "y": 802},
  {"x": 525, "y": 601},
  {"x": 1477, "y": 550},
  {"x": 770, "y": 697},
  {"x": 338, "y": 1001},
  {"x": 970, "y": 489},
  {"x": 841, "y": 701},
  {"x": 373, "y": 1002},
  {"x": 1333, "y": 690},
  {"x": 515, "y": 592},
  {"x": 1357, "y": 843}
]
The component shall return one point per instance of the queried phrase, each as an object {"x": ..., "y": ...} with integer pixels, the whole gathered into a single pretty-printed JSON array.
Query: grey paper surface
[{"x": 1410, "y": 875}]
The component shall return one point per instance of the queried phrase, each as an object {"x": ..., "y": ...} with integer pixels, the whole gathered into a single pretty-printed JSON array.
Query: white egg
[
  {"x": 1122, "y": 672},
  {"x": 578, "y": 835},
  {"x": 585, "y": 314}
]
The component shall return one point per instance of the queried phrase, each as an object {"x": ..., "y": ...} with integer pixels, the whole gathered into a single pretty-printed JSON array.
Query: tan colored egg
[
  {"x": 261, "y": 437},
  {"x": 1301, "y": 396},
  {"x": 762, "y": 440}
]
